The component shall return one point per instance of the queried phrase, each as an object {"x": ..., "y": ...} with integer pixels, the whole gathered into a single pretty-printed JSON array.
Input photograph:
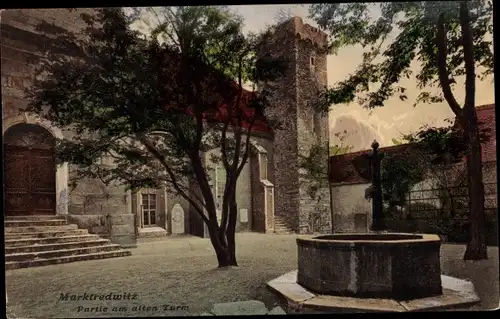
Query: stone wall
[
  {"x": 25, "y": 34},
  {"x": 491, "y": 187},
  {"x": 351, "y": 211},
  {"x": 317, "y": 216},
  {"x": 350, "y": 208},
  {"x": 21, "y": 42},
  {"x": 91, "y": 201}
]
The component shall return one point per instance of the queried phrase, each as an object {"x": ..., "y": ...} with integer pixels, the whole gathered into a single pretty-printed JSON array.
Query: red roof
[
  {"x": 242, "y": 111},
  {"x": 486, "y": 121},
  {"x": 342, "y": 169},
  {"x": 248, "y": 113},
  {"x": 260, "y": 123}
]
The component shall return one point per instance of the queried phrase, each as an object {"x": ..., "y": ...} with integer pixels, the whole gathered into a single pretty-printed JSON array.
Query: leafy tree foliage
[
  {"x": 399, "y": 173},
  {"x": 155, "y": 103},
  {"x": 448, "y": 39},
  {"x": 443, "y": 145},
  {"x": 441, "y": 151},
  {"x": 430, "y": 152}
]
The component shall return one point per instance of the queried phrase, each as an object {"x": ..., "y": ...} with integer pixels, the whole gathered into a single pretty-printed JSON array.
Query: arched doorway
[{"x": 29, "y": 171}]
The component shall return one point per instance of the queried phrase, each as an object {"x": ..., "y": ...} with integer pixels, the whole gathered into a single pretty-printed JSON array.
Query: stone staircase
[
  {"x": 33, "y": 241},
  {"x": 281, "y": 226}
]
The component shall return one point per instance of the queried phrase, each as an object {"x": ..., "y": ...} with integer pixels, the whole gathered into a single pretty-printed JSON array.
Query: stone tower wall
[
  {"x": 283, "y": 99},
  {"x": 294, "y": 100},
  {"x": 312, "y": 127}
]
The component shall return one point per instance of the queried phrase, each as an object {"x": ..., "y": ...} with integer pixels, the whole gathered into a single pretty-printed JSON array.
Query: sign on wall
[{"x": 244, "y": 215}]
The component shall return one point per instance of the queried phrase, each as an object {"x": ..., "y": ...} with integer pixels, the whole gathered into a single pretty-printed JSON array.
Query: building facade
[{"x": 269, "y": 185}]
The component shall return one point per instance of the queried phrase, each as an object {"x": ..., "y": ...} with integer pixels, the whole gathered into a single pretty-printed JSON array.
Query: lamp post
[{"x": 377, "y": 206}]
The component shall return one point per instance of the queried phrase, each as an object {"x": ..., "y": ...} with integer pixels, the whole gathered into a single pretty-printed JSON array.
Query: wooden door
[{"x": 29, "y": 171}]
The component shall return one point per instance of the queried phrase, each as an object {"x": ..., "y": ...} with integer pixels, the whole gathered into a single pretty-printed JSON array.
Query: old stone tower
[{"x": 304, "y": 49}]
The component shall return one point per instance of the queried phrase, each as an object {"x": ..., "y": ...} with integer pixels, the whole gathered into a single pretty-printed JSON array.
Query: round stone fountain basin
[{"x": 373, "y": 265}]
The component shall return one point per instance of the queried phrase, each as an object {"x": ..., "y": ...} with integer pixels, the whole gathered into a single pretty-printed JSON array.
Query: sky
[{"x": 384, "y": 124}]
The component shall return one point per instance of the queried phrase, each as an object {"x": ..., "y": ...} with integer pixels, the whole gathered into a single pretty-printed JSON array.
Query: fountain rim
[{"x": 424, "y": 239}]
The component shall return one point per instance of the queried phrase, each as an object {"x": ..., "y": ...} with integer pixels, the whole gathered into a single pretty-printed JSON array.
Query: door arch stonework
[{"x": 61, "y": 171}]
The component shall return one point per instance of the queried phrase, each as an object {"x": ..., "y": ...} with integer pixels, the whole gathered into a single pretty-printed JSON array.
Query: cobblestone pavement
[{"x": 177, "y": 276}]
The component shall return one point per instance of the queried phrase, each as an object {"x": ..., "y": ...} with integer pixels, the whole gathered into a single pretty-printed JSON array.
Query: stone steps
[
  {"x": 37, "y": 229},
  {"x": 154, "y": 233},
  {"x": 36, "y": 223},
  {"x": 47, "y": 241},
  {"x": 33, "y": 218},
  {"x": 47, "y": 234},
  {"x": 277, "y": 225},
  {"x": 281, "y": 226},
  {"x": 60, "y": 253},
  {"x": 66, "y": 259},
  {"x": 56, "y": 246},
  {"x": 44, "y": 240}
]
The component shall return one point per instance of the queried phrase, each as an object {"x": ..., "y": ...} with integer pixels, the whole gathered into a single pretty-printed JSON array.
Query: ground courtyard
[{"x": 177, "y": 276}]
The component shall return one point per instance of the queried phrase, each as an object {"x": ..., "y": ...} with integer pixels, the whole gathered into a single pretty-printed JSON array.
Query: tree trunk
[
  {"x": 231, "y": 231},
  {"x": 221, "y": 250},
  {"x": 223, "y": 257},
  {"x": 476, "y": 246},
  {"x": 224, "y": 249}
]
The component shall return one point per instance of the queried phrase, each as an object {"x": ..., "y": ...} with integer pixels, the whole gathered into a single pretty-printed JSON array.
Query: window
[
  {"x": 313, "y": 122},
  {"x": 263, "y": 166},
  {"x": 312, "y": 64},
  {"x": 148, "y": 210}
]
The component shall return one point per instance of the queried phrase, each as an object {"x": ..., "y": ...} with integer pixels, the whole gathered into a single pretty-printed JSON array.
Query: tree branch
[
  {"x": 232, "y": 176},
  {"x": 203, "y": 184},
  {"x": 467, "y": 41},
  {"x": 171, "y": 174},
  {"x": 442, "y": 68},
  {"x": 239, "y": 124},
  {"x": 199, "y": 130},
  {"x": 223, "y": 143},
  {"x": 247, "y": 147}
]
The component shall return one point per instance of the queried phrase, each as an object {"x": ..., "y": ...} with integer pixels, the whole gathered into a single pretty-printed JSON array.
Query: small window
[{"x": 312, "y": 65}]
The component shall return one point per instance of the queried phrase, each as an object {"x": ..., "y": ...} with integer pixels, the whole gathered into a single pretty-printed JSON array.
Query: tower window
[
  {"x": 312, "y": 61},
  {"x": 312, "y": 64}
]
